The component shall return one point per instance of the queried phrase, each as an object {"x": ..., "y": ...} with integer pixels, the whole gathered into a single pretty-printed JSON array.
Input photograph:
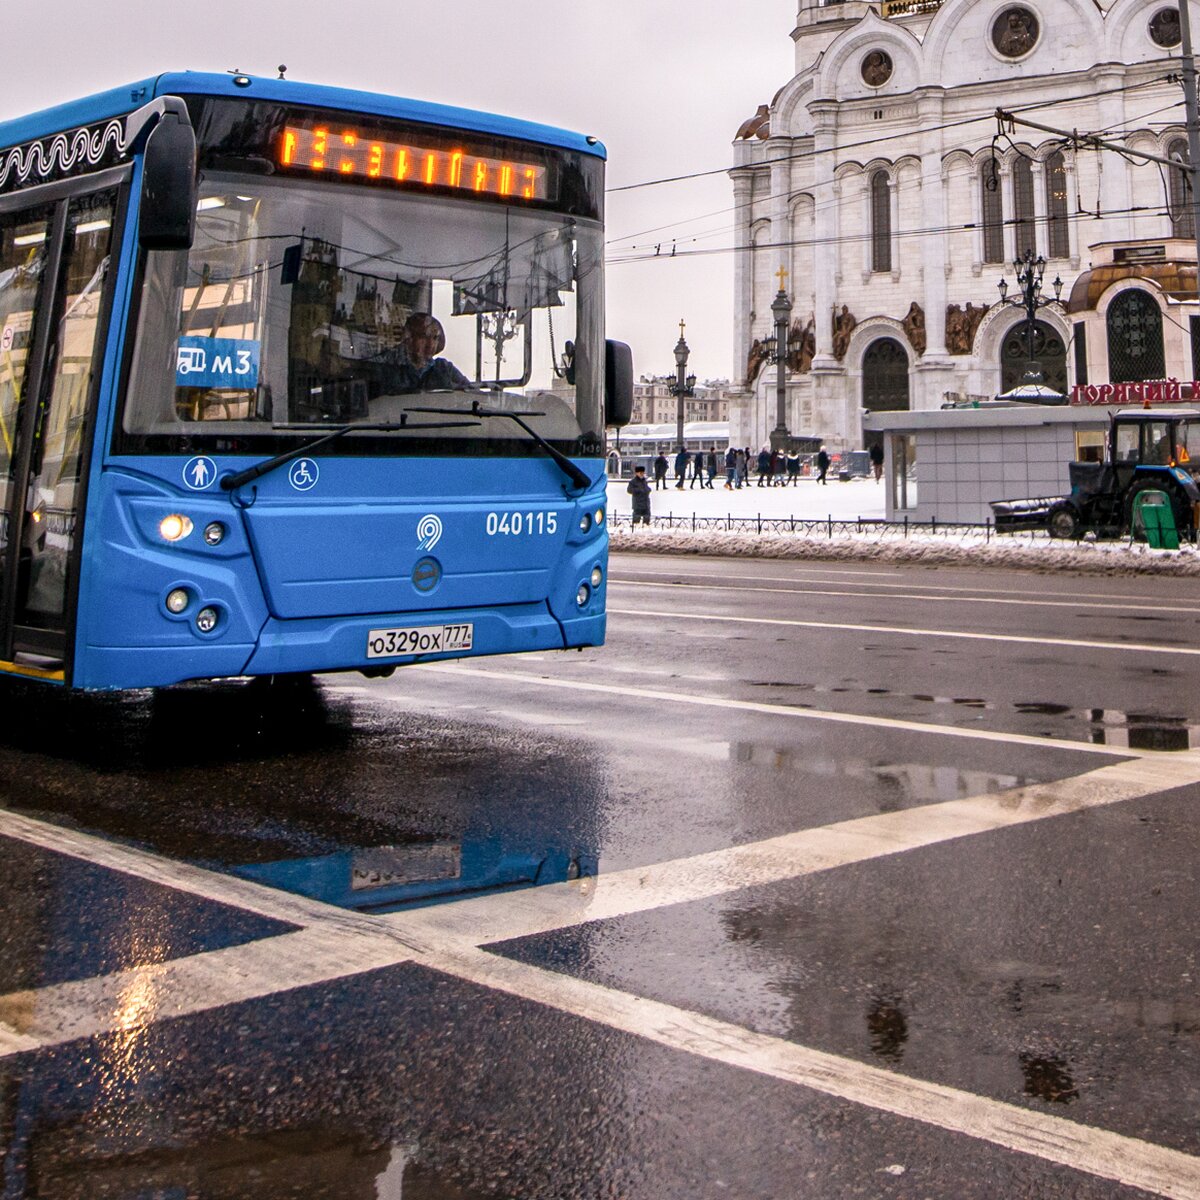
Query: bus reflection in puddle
[{"x": 380, "y": 878}]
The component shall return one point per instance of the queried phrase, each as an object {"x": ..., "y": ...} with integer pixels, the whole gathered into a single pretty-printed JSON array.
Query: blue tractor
[{"x": 1147, "y": 451}]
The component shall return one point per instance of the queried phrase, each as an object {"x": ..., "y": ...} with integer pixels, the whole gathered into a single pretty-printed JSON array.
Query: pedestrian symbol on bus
[
  {"x": 199, "y": 472},
  {"x": 304, "y": 474}
]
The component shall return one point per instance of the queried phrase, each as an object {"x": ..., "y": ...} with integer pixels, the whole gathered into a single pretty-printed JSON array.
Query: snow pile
[{"x": 1030, "y": 554}]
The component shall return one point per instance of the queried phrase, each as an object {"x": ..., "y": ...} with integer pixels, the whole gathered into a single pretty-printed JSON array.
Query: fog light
[
  {"x": 177, "y": 600},
  {"x": 597, "y": 577},
  {"x": 206, "y": 620},
  {"x": 214, "y": 534},
  {"x": 599, "y": 516},
  {"x": 175, "y": 527},
  {"x": 581, "y": 596},
  {"x": 585, "y": 522}
]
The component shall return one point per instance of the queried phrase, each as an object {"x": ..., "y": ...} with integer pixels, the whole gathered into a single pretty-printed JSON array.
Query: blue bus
[{"x": 297, "y": 379}]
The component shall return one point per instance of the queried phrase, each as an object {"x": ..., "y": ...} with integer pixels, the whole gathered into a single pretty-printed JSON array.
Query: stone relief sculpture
[
  {"x": 843, "y": 327},
  {"x": 961, "y": 325},
  {"x": 914, "y": 326},
  {"x": 802, "y": 346},
  {"x": 755, "y": 360}
]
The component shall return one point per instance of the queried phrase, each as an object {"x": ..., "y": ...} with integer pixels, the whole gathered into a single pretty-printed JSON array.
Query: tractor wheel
[
  {"x": 1179, "y": 508},
  {"x": 1063, "y": 522}
]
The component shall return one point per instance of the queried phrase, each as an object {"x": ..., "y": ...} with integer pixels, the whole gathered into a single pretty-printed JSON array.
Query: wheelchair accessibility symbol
[{"x": 304, "y": 474}]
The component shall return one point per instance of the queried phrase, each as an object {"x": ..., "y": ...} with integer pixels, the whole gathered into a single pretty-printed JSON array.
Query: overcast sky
[{"x": 663, "y": 83}]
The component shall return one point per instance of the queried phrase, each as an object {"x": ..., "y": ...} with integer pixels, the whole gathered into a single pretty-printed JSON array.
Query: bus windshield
[{"x": 311, "y": 304}]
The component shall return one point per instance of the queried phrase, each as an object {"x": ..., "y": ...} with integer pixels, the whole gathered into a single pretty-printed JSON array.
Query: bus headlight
[
  {"x": 583, "y": 595},
  {"x": 177, "y": 600},
  {"x": 214, "y": 533},
  {"x": 174, "y": 527},
  {"x": 585, "y": 522},
  {"x": 206, "y": 620},
  {"x": 599, "y": 516},
  {"x": 597, "y": 577}
]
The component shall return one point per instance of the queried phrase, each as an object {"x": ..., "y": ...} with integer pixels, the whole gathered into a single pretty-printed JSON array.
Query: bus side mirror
[
  {"x": 618, "y": 384},
  {"x": 167, "y": 219}
]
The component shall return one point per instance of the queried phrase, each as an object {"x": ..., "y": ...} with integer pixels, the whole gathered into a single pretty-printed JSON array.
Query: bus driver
[{"x": 419, "y": 369}]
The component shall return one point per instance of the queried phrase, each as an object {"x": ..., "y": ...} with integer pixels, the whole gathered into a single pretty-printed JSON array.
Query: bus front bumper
[{"x": 322, "y": 644}]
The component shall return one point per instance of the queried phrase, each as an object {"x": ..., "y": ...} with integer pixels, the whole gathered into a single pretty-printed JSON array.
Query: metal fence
[{"x": 829, "y": 527}]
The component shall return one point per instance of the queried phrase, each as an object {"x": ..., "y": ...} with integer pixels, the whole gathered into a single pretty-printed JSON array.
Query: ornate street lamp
[
  {"x": 683, "y": 387},
  {"x": 1029, "y": 271},
  {"x": 777, "y": 352}
]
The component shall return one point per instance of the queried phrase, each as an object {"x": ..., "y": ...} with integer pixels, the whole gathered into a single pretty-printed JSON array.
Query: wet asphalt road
[{"x": 854, "y": 882}]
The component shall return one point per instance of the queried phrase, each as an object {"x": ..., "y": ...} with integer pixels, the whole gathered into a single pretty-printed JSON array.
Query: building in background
[
  {"x": 877, "y": 180},
  {"x": 654, "y": 402}
]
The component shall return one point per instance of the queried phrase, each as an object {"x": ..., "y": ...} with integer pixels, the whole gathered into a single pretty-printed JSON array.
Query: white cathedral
[{"x": 879, "y": 180}]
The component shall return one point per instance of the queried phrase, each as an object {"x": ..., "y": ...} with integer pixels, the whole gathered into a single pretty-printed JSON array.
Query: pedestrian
[
  {"x": 660, "y": 471},
  {"x": 682, "y": 458},
  {"x": 764, "y": 466},
  {"x": 639, "y": 488},
  {"x": 777, "y": 468},
  {"x": 822, "y": 464},
  {"x": 741, "y": 458},
  {"x": 711, "y": 463},
  {"x": 793, "y": 467},
  {"x": 876, "y": 453},
  {"x": 731, "y": 469},
  {"x": 697, "y": 469}
]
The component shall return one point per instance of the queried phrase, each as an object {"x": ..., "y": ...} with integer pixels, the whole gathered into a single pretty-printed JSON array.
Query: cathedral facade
[{"x": 879, "y": 188}]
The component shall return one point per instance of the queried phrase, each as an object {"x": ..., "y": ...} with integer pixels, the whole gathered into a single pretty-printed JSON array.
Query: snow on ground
[{"x": 809, "y": 500}]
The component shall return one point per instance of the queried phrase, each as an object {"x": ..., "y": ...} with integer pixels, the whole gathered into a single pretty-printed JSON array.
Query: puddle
[
  {"x": 918, "y": 782},
  {"x": 1105, "y": 726},
  {"x": 388, "y": 878}
]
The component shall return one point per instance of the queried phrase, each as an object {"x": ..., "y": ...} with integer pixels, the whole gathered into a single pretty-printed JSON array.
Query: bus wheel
[{"x": 1063, "y": 521}]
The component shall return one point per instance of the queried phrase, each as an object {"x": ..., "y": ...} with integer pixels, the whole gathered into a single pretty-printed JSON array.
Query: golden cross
[
  {"x": 781, "y": 275},
  {"x": 681, "y": 328}
]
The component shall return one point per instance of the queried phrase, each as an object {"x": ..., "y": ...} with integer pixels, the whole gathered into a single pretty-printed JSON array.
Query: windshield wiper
[
  {"x": 229, "y": 482},
  {"x": 572, "y": 472}
]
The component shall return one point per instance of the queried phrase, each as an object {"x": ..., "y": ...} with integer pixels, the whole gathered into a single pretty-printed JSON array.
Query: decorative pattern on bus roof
[{"x": 63, "y": 154}]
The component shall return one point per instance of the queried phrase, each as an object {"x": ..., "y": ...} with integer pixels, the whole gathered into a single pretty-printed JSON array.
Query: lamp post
[
  {"x": 1029, "y": 271},
  {"x": 777, "y": 352},
  {"x": 683, "y": 387}
]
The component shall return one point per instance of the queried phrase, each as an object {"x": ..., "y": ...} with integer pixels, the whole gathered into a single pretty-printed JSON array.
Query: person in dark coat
[
  {"x": 876, "y": 453},
  {"x": 710, "y": 463},
  {"x": 741, "y": 459},
  {"x": 681, "y": 463},
  {"x": 793, "y": 467},
  {"x": 697, "y": 469},
  {"x": 731, "y": 469},
  {"x": 639, "y": 488},
  {"x": 660, "y": 471},
  {"x": 764, "y": 467},
  {"x": 822, "y": 464}
]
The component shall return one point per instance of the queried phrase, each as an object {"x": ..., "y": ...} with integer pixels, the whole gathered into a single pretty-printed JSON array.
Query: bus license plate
[{"x": 419, "y": 639}]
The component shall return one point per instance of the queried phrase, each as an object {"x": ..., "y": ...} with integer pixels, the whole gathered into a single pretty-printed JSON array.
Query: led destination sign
[{"x": 346, "y": 152}]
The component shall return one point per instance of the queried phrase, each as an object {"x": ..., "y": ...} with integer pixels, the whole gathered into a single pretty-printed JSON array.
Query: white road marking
[
  {"x": 814, "y": 591},
  {"x": 705, "y": 700},
  {"x": 449, "y": 939},
  {"x": 1098, "y": 1152},
  {"x": 908, "y": 631},
  {"x": 334, "y": 944}
]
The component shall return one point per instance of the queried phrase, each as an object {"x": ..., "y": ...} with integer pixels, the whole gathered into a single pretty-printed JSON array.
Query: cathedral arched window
[
  {"x": 993, "y": 212},
  {"x": 1179, "y": 192},
  {"x": 881, "y": 222},
  {"x": 1057, "y": 232},
  {"x": 1023, "y": 222}
]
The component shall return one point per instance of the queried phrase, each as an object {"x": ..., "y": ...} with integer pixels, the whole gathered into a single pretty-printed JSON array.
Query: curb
[{"x": 1090, "y": 558}]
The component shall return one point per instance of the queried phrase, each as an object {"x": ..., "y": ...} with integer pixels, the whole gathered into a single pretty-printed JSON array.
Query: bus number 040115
[{"x": 518, "y": 524}]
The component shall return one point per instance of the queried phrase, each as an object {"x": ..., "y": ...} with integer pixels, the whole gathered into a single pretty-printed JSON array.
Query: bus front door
[{"x": 54, "y": 260}]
